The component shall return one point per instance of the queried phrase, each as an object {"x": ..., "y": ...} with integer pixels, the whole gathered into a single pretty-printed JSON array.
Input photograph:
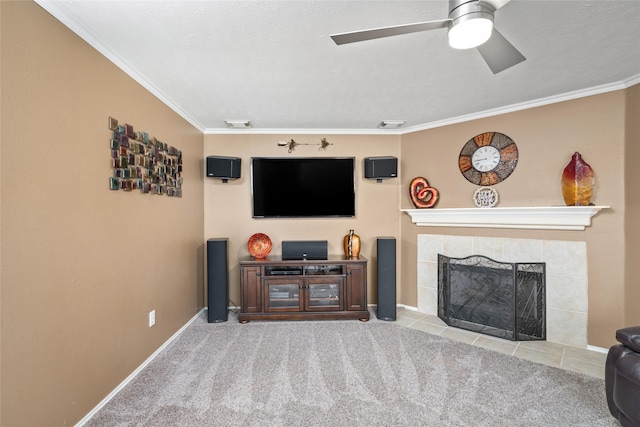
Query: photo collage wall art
[{"x": 143, "y": 163}]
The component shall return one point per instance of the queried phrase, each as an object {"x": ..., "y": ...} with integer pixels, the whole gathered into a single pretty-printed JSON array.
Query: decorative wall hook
[{"x": 291, "y": 145}]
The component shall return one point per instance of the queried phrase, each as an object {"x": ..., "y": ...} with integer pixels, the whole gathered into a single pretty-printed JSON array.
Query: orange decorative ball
[{"x": 259, "y": 245}]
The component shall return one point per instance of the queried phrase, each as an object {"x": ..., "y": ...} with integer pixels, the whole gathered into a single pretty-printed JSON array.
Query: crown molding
[
  {"x": 294, "y": 131},
  {"x": 58, "y": 11},
  {"x": 632, "y": 81},
  {"x": 568, "y": 96}
]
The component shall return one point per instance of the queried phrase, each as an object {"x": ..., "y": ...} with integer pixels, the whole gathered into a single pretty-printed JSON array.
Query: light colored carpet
[{"x": 346, "y": 373}]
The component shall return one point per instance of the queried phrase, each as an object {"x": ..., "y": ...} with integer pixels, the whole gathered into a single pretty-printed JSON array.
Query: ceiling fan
[{"x": 470, "y": 24}]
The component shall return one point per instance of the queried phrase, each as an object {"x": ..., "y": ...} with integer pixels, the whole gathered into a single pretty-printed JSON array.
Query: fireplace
[
  {"x": 505, "y": 300},
  {"x": 566, "y": 276}
]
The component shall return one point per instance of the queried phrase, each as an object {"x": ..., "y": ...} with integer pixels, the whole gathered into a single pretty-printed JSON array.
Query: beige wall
[
  {"x": 632, "y": 223},
  {"x": 228, "y": 206},
  {"x": 82, "y": 266},
  {"x": 546, "y": 138}
]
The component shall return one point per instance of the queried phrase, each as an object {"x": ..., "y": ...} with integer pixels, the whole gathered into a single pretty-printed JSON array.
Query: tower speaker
[
  {"x": 217, "y": 280},
  {"x": 380, "y": 167},
  {"x": 223, "y": 167},
  {"x": 386, "y": 270}
]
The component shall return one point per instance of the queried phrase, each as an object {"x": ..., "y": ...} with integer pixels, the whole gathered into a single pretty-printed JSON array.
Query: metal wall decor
[
  {"x": 291, "y": 145},
  {"x": 144, "y": 163}
]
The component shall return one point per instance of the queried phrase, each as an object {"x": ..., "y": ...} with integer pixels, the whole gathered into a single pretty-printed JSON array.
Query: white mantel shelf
[{"x": 534, "y": 218}]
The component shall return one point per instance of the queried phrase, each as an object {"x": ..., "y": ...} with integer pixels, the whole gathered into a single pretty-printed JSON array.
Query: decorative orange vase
[
  {"x": 351, "y": 244},
  {"x": 577, "y": 182}
]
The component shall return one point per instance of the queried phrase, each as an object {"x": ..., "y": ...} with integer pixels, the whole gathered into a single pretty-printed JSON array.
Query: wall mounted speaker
[
  {"x": 223, "y": 167},
  {"x": 304, "y": 249},
  {"x": 386, "y": 270},
  {"x": 217, "y": 280},
  {"x": 380, "y": 167}
]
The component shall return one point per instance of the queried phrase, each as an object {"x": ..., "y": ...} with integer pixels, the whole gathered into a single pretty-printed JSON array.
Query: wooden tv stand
[{"x": 276, "y": 289}]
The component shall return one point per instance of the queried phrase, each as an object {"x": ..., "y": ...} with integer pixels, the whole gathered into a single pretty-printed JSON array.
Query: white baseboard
[
  {"x": 598, "y": 349},
  {"x": 408, "y": 307},
  {"x": 136, "y": 372}
]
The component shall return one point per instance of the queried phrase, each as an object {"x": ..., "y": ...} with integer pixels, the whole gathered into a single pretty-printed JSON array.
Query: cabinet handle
[
  {"x": 258, "y": 274},
  {"x": 349, "y": 273}
]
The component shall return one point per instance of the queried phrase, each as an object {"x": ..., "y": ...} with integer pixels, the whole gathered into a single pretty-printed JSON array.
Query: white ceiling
[{"x": 273, "y": 63}]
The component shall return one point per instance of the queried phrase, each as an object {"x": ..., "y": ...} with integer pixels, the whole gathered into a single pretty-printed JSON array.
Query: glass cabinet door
[
  {"x": 324, "y": 294},
  {"x": 283, "y": 295}
]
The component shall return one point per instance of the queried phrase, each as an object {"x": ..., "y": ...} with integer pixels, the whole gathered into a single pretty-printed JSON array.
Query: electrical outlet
[{"x": 152, "y": 318}]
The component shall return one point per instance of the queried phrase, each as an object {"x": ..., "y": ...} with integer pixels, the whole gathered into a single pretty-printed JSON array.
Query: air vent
[
  {"x": 238, "y": 124},
  {"x": 391, "y": 124}
]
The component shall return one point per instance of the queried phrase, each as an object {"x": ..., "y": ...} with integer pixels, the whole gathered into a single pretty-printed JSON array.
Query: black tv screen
[{"x": 303, "y": 187}]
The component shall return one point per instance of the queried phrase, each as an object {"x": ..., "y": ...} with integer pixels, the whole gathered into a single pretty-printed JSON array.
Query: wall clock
[{"x": 488, "y": 158}]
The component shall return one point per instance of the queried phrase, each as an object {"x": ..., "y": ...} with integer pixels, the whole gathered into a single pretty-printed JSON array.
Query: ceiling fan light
[{"x": 470, "y": 33}]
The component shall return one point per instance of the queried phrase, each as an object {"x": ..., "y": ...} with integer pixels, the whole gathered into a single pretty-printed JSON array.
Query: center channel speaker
[
  {"x": 304, "y": 249},
  {"x": 217, "y": 280},
  {"x": 386, "y": 270}
]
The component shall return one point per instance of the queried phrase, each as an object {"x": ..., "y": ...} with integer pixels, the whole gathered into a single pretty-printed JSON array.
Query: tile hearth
[{"x": 580, "y": 360}]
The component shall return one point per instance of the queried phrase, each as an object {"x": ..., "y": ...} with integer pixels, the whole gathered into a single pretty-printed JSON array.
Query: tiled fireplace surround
[{"x": 566, "y": 276}]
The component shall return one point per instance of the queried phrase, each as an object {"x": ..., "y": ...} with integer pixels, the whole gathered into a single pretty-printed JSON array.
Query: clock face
[
  {"x": 488, "y": 158},
  {"x": 485, "y": 158}
]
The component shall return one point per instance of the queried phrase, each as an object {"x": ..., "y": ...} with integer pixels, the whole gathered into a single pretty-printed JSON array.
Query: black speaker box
[
  {"x": 217, "y": 280},
  {"x": 386, "y": 270},
  {"x": 380, "y": 167},
  {"x": 223, "y": 167},
  {"x": 304, "y": 249}
]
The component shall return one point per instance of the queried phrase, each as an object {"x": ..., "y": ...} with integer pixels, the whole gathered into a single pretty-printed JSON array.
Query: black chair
[{"x": 622, "y": 377}]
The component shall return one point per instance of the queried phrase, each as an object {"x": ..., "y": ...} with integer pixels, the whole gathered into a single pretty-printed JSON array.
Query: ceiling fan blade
[
  {"x": 499, "y": 54},
  {"x": 495, "y": 4},
  {"x": 376, "y": 33}
]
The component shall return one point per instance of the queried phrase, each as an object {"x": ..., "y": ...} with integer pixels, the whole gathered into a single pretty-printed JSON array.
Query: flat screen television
[{"x": 303, "y": 187}]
